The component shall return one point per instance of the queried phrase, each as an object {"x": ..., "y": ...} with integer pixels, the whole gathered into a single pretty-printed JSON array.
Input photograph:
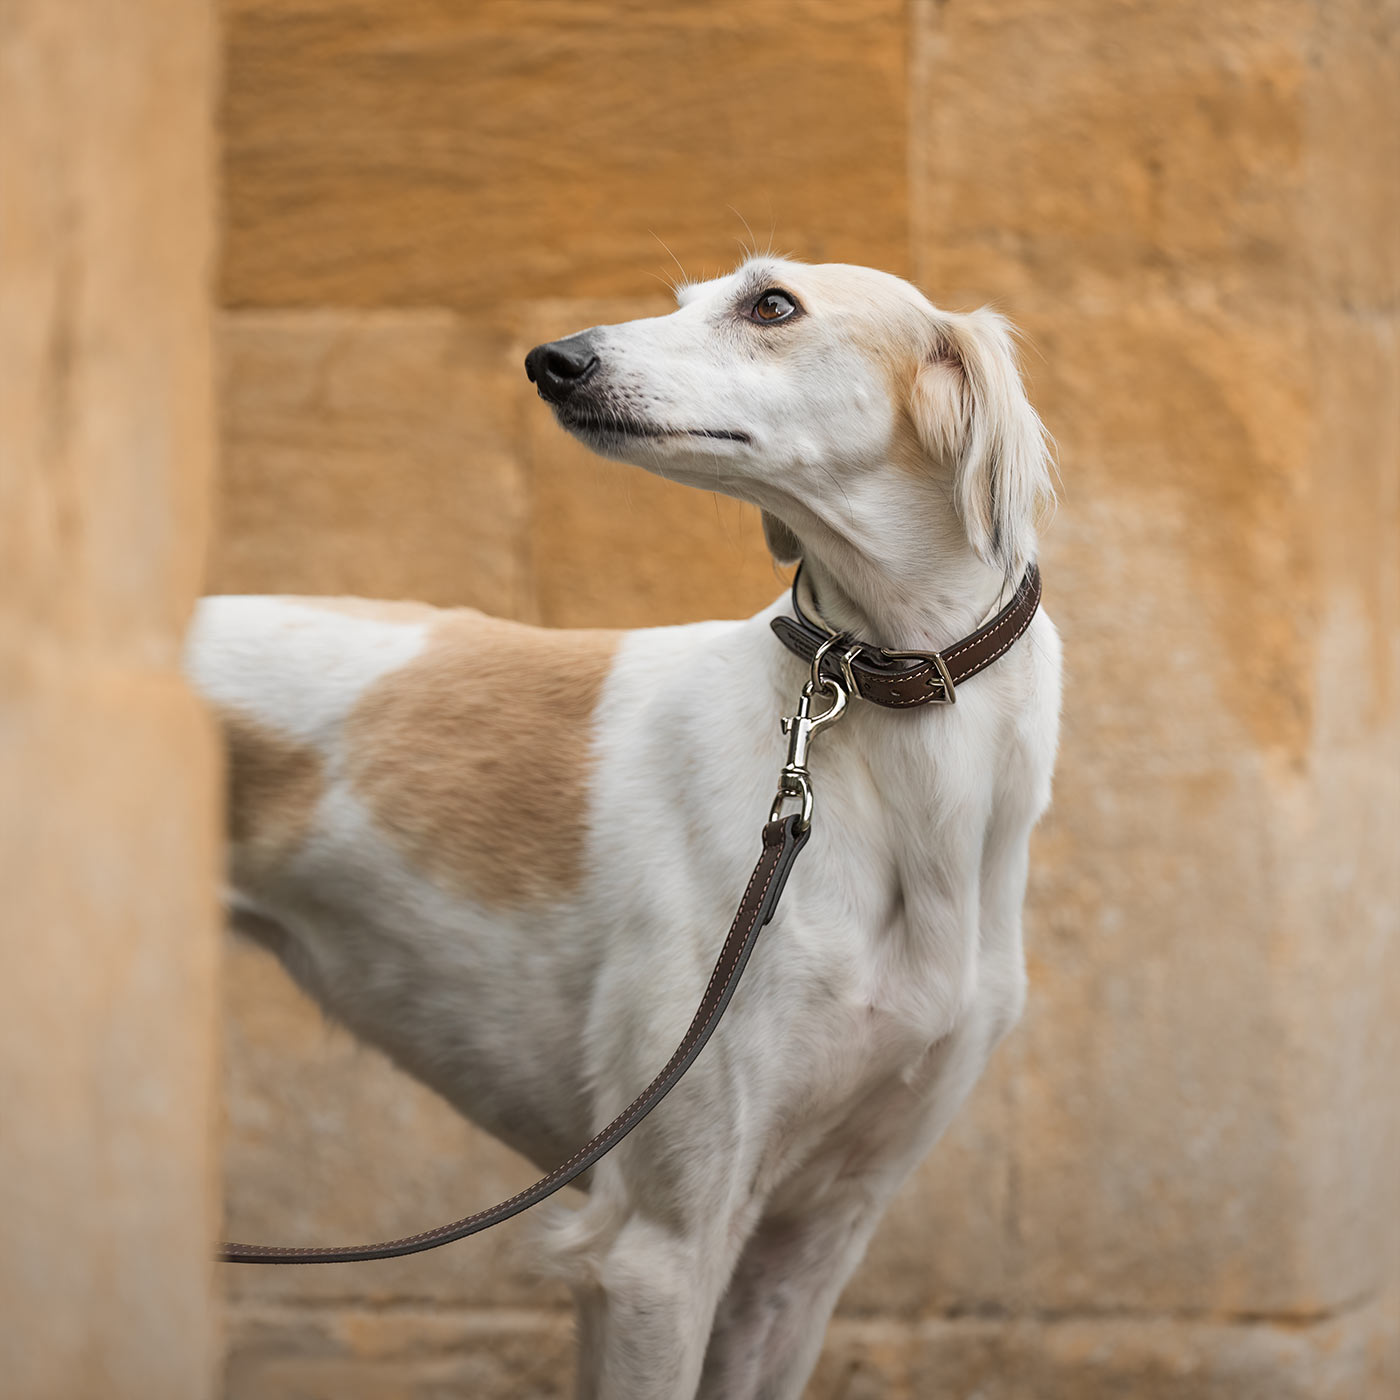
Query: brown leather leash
[{"x": 841, "y": 667}]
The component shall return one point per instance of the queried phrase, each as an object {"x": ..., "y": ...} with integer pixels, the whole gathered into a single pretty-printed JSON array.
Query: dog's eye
[{"x": 772, "y": 306}]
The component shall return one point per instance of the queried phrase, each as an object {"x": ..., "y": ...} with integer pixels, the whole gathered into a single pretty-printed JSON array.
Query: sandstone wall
[
  {"x": 1181, "y": 1177},
  {"x": 108, "y": 777}
]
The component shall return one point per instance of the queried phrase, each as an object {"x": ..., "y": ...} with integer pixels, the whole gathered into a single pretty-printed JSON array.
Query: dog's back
[{"x": 460, "y": 733}]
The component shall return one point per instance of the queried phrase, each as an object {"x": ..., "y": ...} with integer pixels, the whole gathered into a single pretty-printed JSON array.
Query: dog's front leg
[
  {"x": 646, "y": 1307},
  {"x": 771, "y": 1320},
  {"x": 770, "y": 1323}
]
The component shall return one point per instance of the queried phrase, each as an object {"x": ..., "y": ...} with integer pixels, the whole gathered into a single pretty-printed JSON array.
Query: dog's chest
[
  {"x": 852, "y": 1105},
  {"x": 856, "y": 1031}
]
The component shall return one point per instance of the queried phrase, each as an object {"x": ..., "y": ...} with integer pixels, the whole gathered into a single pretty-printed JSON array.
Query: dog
[{"x": 507, "y": 855}]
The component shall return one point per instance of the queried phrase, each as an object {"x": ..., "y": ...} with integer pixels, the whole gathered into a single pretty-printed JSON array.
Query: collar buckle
[{"x": 949, "y": 693}]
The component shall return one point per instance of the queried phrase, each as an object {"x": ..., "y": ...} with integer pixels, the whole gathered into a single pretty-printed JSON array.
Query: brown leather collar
[{"x": 886, "y": 677}]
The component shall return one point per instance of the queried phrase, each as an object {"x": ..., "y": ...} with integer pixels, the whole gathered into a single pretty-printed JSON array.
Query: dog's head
[{"x": 836, "y": 398}]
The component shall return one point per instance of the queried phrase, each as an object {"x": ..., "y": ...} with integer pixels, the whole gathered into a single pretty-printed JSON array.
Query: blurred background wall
[
  {"x": 109, "y": 807},
  {"x": 1181, "y": 1176}
]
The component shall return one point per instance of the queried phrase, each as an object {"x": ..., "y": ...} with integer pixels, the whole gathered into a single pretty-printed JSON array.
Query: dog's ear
[
  {"x": 971, "y": 413},
  {"x": 783, "y": 545}
]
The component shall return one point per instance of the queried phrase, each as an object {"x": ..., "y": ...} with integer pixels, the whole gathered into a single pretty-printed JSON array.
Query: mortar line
[{"x": 988, "y": 1312}]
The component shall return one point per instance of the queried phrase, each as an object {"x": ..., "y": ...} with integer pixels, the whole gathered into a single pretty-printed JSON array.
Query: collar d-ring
[{"x": 819, "y": 681}]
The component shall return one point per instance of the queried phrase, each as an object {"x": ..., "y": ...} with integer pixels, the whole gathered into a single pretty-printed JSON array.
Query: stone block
[
  {"x": 1154, "y": 891},
  {"x": 108, "y": 812},
  {"x": 372, "y": 453},
  {"x": 1337, "y": 952},
  {"x": 1353, "y": 152},
  {"x": 1077, "y": 146},
  {"x": 1349, "y": 1357},
  {"x": 105, "y": 394},
  {"x": 404, "y": 1353},
  {"x": 1184, "y": 948},
  {"x": 107, "y": 1056},
  {"x": 430, "y": 153}
]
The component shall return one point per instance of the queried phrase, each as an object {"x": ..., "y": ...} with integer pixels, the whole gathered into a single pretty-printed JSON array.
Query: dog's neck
[{"x": 926, "y": 606}]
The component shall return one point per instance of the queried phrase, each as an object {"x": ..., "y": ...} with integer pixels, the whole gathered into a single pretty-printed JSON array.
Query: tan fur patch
[
  {"x": 274, "y": 785},
  {"x": 894, "y": 326},
  {"x": 474, "y": 756},
  {"x": 375, "y": 609}
]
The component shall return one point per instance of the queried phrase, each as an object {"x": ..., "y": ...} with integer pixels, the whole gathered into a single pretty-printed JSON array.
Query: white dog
[{"x": 508, "y": 855}]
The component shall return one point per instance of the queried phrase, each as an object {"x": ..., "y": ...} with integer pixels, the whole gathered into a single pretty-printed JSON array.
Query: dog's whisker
[{"x": 684, "y": 280}]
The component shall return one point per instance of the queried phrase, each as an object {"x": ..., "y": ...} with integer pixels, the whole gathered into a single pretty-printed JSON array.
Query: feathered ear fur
[{"x": 971, "y": 412}]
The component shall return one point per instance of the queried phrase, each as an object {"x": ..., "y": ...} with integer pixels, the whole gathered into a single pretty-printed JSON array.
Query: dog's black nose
[{"x": 557, "y": 369}]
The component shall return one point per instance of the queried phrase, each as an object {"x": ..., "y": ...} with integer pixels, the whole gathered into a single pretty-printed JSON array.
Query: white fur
[
  {"x": 300, "y": 669},
  {"x": 714, "y": 1243}
]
